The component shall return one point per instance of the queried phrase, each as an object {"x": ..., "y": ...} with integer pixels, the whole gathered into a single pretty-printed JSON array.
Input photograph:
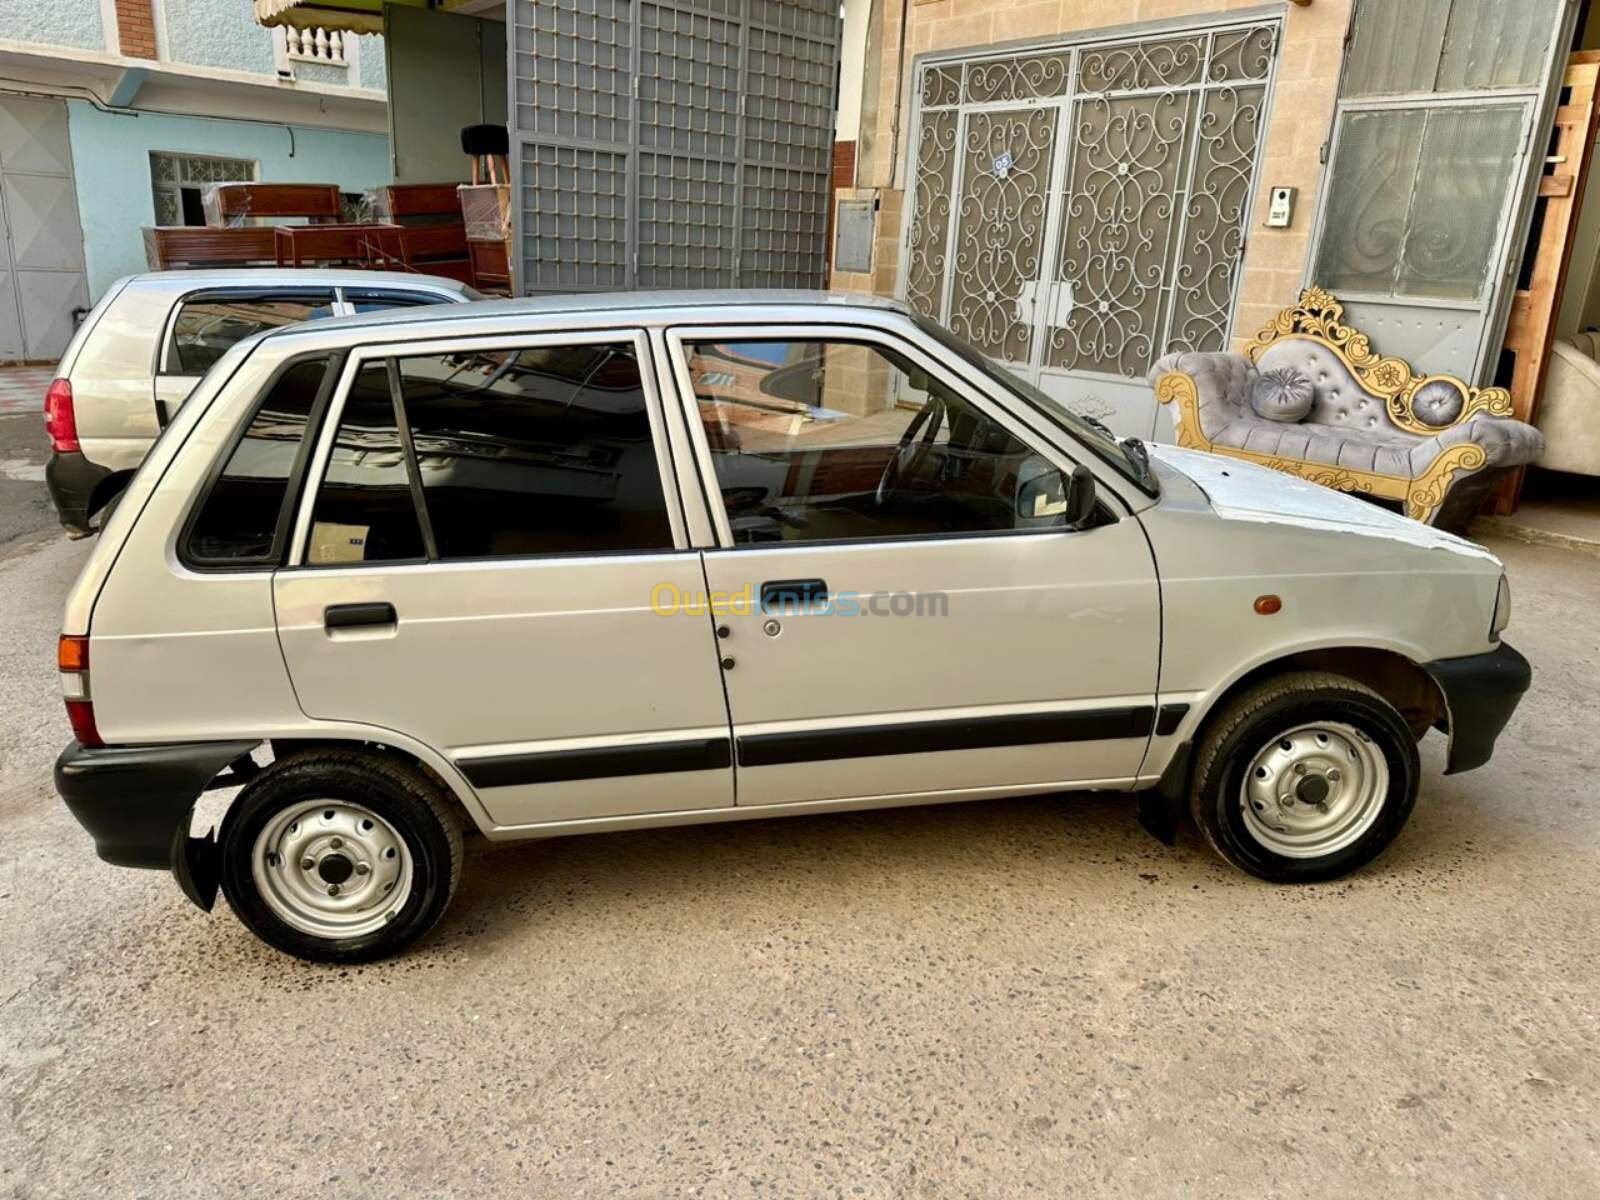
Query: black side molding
[
  {"x": 1481, "y": 691},
  {"x": 921, "y": 737},
  {"x": 601, "y": 762}
]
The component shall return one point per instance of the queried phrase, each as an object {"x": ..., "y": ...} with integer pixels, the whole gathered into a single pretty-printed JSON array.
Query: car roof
[
  {"x": 621, "y": 306},
  {"x": 227, "y": 277}
]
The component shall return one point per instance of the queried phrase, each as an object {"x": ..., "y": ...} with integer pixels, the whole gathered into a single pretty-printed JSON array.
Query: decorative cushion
[
  {"x": 1437, "y": 403},
  {"x": 1282, "y": 395}
]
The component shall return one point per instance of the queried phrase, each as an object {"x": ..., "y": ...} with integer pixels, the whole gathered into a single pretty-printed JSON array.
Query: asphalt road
[{"x": 993, "y": 1000}]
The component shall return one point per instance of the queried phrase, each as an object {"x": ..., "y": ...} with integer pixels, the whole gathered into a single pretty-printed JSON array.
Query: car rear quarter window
[
  {"x": 208, "y": 324},
  {"x": 244, "y": 515}
]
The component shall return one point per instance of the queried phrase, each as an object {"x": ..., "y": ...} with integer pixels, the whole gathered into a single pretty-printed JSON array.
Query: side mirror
[
  {"x": 1080, "y": 497},
  {"x": 1051, "y": 498}
]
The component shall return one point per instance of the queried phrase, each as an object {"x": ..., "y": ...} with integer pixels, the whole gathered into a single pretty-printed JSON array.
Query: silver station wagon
[{"x": 608, "y": 562}]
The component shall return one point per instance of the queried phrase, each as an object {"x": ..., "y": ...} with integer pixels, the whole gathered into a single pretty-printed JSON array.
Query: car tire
[
  {"x": 340, "y": 855},
  {"x": 1305, "y": 777}
]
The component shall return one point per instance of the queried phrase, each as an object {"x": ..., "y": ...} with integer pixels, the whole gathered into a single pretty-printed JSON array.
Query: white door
[
  {"x": 930, "y": 628},
  {"x": 480, "y": 577},
  {"x": 1079, "y": 211}
]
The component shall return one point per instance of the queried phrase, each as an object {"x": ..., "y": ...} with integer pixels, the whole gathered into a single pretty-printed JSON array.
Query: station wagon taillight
[
  {"x": 60, "y": 422},
  {"x": 72, "y": 659}
]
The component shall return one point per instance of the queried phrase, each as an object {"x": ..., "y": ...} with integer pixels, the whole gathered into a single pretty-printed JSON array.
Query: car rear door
[
  {"x": 205, "y": 324},
  {"x": 931, "y": 627},
  {"x": 473, "y": 565}
]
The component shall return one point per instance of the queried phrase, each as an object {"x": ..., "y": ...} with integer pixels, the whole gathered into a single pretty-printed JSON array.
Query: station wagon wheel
[
  {"x": 340, "y": 855},
  {"x": 1304, "y": 777}
]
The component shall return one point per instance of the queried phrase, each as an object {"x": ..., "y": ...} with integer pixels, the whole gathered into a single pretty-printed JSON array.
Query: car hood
[{"x": 1242, "y": 491}]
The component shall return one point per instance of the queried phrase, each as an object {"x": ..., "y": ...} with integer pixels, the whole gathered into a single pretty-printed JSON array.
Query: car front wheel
[
  {"x": 1305, "y": 777},
  {"x": 340, "y": 855}
]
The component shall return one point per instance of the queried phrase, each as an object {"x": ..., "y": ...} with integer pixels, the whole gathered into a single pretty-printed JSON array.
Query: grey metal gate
[
  {"x": 670, "y": 144},
  {"x": 41, "y": 245},
  {"x": 1079, "y": 210}
]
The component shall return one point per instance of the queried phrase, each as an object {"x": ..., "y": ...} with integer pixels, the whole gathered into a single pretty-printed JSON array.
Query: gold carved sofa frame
[{"x": 1389, "y": 385}]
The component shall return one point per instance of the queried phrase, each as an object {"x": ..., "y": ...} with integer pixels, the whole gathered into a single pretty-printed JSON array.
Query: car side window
[
  {"x": 364, "y": 510},
  {"x": 511, "y": 452},
  {"x": 244, "y": 513},
  {"x": 208, "y": 324},
  {"x": 366, "y": 300},
  {"x": 836, "y": 440},
  {"x": 546, "y": 450}
]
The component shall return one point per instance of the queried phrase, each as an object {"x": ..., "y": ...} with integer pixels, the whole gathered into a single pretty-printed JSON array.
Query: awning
[{"x": 347, "y": 16}]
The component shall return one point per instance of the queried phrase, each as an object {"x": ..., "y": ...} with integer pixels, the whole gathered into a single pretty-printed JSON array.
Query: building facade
[
  {"x": 1079, "y": 187},
  {"x": 114, "y": 114}
]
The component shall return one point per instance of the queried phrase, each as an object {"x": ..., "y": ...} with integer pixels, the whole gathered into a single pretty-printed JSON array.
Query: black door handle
[
  {"x": 352, "y": 616},
  {"x": 792, "y": 595}
]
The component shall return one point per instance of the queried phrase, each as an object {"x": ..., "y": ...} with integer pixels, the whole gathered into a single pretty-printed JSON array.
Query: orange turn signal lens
[
  {"x": 72, "y": 653},
  {"x": 1268, "y": 605}
]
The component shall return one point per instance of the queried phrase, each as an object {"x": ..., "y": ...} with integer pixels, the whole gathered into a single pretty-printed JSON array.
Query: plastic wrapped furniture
[
  {"x": 1569, "y": 412},
  {"x": 1375, "y": 428}
]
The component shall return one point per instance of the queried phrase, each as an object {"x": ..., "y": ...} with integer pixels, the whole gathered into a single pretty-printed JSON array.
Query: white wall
[{"x": 852, "y": 69}]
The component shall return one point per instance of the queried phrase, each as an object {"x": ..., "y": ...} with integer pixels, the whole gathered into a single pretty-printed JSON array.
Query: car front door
[
  {"x": 931, "y": 627},
  {"x": 474, "y": 568}
]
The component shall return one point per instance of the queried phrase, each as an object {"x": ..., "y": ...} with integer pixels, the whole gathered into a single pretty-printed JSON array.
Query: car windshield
[{"x": 1127, "y": 455}]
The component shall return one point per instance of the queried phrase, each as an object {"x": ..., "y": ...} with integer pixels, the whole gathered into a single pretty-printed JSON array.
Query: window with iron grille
[
  {"x": 179, "y": 179},
  {"x": 672, "y": 143}
]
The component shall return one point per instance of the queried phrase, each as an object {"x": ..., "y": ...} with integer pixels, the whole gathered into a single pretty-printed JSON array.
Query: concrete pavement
[{"x": 992, "y": 1000}]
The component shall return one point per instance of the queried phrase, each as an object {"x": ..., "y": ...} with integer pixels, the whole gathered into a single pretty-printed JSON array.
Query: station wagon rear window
[{"x": 209, "y": 323}]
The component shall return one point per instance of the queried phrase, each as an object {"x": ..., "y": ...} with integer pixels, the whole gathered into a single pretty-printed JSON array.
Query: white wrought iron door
[{"x": 1079, "y": 211}]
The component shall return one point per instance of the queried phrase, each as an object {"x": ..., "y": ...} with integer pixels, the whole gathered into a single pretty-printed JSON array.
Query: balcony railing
[{"x": 314, "y": 46}]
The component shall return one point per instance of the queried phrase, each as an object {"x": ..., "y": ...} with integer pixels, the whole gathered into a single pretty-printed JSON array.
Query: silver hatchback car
[{"x": 608, "y": 562}]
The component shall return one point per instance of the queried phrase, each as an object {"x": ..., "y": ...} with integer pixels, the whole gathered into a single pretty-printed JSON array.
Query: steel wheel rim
[
  {"x": 332, "y": 869},
  {"x": 1314, "y": 790}
]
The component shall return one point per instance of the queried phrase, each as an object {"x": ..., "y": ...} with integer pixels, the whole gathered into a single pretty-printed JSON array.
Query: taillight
[
  {"x": 60, "y": 422},
  {"x": 72, "y": 658}
]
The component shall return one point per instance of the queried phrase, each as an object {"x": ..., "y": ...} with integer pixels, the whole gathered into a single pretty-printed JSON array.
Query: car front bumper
[
  {"x": 1481, "y": 692},
  {"x": 72, "y": 479}
]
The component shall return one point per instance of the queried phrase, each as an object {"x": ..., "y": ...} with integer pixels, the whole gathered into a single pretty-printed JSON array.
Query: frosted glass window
[
  {"x": 1416, "y": 201},
  {"x": 1405, "y": 46}
]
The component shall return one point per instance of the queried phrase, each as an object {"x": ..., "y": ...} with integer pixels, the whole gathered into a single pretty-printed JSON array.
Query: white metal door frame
[{"x": 1047, "y": 289}]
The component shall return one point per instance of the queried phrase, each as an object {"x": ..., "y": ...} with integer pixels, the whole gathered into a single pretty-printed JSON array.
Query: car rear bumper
[
  {"x": 72, "y": 480},
  {"x": 134, "y": 801},
  {"x": 1481, "y": 692}
]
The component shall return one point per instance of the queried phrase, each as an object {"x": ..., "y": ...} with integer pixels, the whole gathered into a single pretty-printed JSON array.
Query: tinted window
[
  {"x": 364, "y": 511},
  {"x": 828, "y": 441},
  {"x": 238, "y": 522},
  {"x": 207, "y": 326},
  {"x": 368, "y": 300},
  {"x": 538, "y": 451}
]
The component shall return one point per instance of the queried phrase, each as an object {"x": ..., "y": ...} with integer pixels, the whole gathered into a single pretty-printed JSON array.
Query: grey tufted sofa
[{"x": 1375, "y": 427}]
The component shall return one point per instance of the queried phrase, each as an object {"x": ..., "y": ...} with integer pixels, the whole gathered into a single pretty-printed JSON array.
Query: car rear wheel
[
  {"x": 340, "y": 855},
  {"x": 1305, "y": 777}
]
